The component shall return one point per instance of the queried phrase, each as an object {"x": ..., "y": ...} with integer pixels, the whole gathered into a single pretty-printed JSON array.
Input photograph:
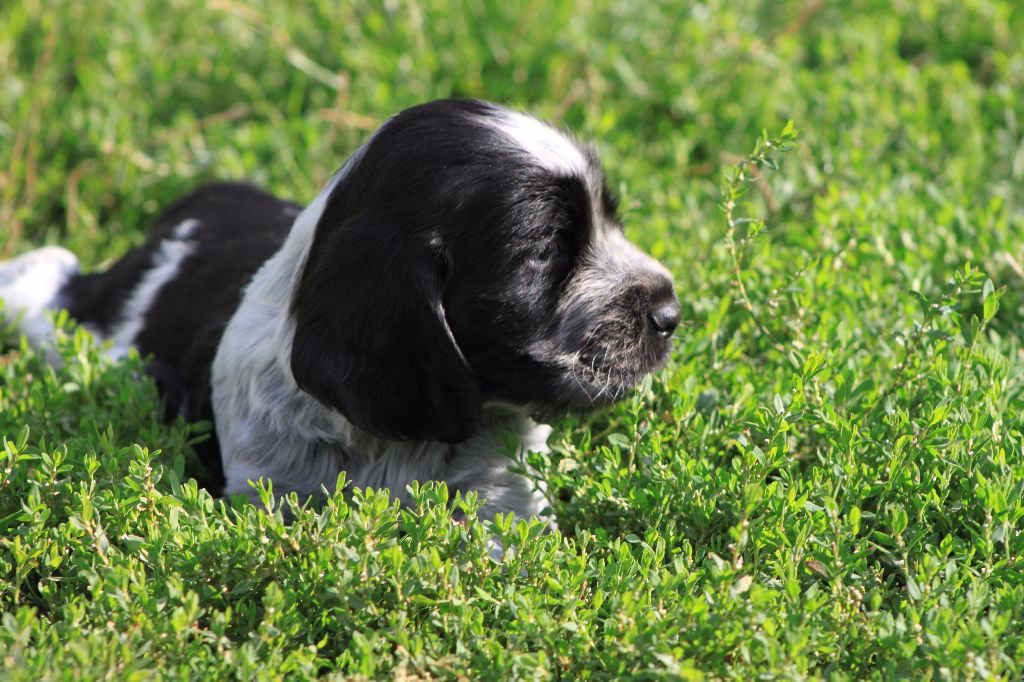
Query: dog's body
[{"x": 461, "y": 274}]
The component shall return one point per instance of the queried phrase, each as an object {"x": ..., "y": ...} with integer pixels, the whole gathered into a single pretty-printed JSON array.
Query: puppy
[{"x": 462, "y": 275}]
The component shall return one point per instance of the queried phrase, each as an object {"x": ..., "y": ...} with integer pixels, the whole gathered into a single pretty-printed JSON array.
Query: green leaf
[{"x": 990, "y": 301}]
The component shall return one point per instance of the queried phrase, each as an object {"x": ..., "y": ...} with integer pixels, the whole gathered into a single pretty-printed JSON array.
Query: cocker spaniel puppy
[{"x": 462, "y": 275}]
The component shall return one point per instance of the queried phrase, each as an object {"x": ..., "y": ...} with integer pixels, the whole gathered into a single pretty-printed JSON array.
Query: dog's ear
[{"x": 371, "y": 337}]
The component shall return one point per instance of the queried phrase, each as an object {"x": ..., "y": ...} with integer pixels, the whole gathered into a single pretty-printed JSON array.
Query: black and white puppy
[{"x": 463, "y": 274}]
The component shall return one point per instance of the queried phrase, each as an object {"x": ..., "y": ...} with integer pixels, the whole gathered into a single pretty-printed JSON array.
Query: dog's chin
[{"x": 582, "y": 384}]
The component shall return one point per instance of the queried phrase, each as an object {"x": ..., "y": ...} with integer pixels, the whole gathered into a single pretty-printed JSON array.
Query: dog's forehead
[{"x": 550, "y": 148}]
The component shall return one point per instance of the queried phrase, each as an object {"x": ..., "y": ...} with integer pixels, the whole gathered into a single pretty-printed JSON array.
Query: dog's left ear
[{"x": 371, "y": 337}]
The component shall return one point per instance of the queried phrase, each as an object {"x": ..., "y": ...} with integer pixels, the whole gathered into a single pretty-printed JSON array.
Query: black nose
[{"x": 665, "y": 316}]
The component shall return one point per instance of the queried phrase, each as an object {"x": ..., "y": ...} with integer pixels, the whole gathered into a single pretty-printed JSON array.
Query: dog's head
[{"x": 469, "y": 254}]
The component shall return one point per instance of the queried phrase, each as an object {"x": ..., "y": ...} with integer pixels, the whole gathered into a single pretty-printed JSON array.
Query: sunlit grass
[{"x": 826, "y": 481}]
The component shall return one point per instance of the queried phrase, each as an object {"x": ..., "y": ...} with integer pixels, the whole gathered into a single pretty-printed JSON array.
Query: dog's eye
[{"x": 554, "y": 251}]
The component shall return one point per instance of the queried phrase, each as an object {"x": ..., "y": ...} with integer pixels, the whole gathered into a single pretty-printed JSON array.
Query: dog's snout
[
  {"x": 663, "y": 311},
  {"x": 662, "y": 306},
  {"x": 664, "y": 315}
]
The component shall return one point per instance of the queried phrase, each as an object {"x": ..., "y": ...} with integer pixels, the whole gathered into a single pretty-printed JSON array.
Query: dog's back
[{"x": 171, "y": 297}]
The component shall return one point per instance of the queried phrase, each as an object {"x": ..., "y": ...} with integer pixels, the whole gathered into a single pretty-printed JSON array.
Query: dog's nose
[{"x": 665, "y": 316}]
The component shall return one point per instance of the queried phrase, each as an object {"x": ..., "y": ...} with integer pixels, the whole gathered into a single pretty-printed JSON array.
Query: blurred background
[{"x": 109, "y": 110}]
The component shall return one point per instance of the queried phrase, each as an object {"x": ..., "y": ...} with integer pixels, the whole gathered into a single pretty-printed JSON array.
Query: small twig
[
  {"x": 770, "y": 202},
  {"x": 744, "y": 172},
  {"x": 71, "y": 192},
  {"x": 349, "y": 119},
  {"x": 1014, "y": 265},
  {"x": 909, "y": 349},
  {"x": 807, "y": 13},
  {"x": 233, "y": 113},
  {"x": 737, "y": 280},
  {"x": 577, "y": 91}
]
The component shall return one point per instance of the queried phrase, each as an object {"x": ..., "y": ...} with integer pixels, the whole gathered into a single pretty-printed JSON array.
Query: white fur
[
  {"x": 165, "y": 267},
  {"x": 548, "y": 146}
]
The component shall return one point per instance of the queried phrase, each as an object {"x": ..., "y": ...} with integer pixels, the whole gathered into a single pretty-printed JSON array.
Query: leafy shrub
[{"x": 827, "y": 480}]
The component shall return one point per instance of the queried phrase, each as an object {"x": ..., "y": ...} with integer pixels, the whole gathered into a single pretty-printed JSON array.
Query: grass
[{"x": 827, "y": 481}]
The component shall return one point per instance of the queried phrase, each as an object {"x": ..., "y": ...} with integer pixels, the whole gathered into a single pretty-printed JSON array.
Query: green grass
[{"x": 827, "y": 481}]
